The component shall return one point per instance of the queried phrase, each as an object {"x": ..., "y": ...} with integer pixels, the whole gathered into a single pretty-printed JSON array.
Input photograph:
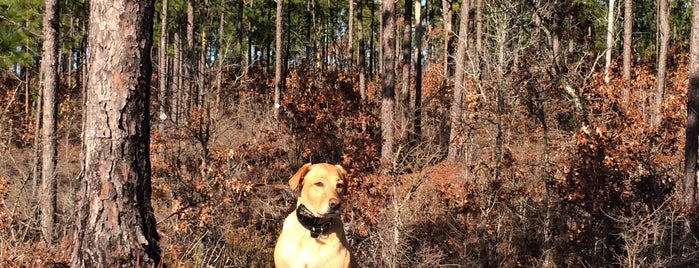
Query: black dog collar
[{"x": 314, "y": 224}]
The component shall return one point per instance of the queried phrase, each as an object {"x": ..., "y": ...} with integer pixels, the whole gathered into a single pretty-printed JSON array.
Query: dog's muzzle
[{"x": 314, "y": 224}]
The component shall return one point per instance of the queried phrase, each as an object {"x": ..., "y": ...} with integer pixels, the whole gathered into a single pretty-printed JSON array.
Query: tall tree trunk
[
  {"x": 201, "y": 74},
  {"x": 372, "y": 33},
  {"x": 628, "y": 41},
  {"x": 164, "y": 98},
  {"x": 49, "y": 81},
  {"x": 406, "y": 61},
  {"x": 177, "y": 81},
  {"x": 656, "y": 114},
  {"x": 115, "y": 225},
  {"x": 350, "y": 32},
  {"x": 610, "y": 41},
  {"x": 479, "y": 39},
  {"x": 417, "y": 103},
  {"x": 692, "y": 128},
  {"x": 387, "y": 81},
  {"x": 459, "y": 86},
  {"x": 188, "y": 61},
  {"x": 556, "y": 36},
  {"x": 239, "y": 31},
  {"x": 361, "y": 58},
  {"x": 447, "y": 19},
  {"x": 220, "y": 58},
  {"x": 278, "y": 83}
]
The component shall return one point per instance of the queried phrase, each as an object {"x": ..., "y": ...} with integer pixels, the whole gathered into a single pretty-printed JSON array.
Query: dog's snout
[{"x": 334, "y": 203}]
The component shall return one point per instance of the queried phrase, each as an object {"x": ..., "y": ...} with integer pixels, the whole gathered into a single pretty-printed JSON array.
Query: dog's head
[{"x": 323, "y": 187}]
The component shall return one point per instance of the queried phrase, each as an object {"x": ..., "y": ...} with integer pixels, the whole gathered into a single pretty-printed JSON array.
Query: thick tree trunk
[
  {"x": 656, "y": 114},
  {"x": 115, "y": 225},
  {"x": 387, "y": 80},
  {"x": 49, "y": 81},
  {"x": 459, "y": 86},
  {"x": 692, "y": 129}
]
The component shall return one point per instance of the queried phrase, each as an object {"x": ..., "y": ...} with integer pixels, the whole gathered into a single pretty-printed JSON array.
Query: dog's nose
[{"x": 334, "y": 203}]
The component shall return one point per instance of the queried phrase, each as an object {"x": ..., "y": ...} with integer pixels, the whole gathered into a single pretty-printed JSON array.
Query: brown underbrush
[{"x": 561, "y": 189}]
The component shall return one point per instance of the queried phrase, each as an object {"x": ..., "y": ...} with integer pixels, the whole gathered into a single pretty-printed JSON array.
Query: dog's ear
[
  {"x": 298, "y": 177},
  {"x": 342, "y": 171}
]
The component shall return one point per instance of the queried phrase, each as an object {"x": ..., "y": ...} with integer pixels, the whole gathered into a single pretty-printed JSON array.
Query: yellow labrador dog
[{"x": 313, "y": 234}]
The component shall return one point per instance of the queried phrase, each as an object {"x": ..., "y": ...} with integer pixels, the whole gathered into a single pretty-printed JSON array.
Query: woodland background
[{"x": 477, "y": 133}]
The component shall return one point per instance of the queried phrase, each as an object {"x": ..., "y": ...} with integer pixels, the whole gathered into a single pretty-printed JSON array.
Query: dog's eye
[
  {"x": 319, "y": 184},
  {"x": 340, "y": 186}
]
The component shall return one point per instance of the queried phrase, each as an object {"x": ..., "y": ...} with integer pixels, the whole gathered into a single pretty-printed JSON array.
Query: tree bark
[
  {"x": 628, "y": 41},
  {"x": 188, "y": 62},
  {"x": 479, "y": 38},
  {"x": 656, "y": 114},
  {"x": 387, "y": 79},
  {"x": 417, "y": 103},
  {"x": 361, "y": 58},
  {"x": 692, "y": 128},
  {"x": 115, "y": 225},
  {"x": 406, "y": 61},
  {"x": 456, "y": 104},
  {"x": 49, "y": 82},
  {"x": 447, "y": 16},
  {"x": 162, "y": 69},
  {"x": 278, "y": 83},
  {"x": 350, "y": 32},
  {"x": 610, "y": 41}
]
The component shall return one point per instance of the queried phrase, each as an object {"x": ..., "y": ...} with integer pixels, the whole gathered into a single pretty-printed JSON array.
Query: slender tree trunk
[
  {"x": 201, "y": 74},
  {"x": 188, "y": 62},
  {"x": 350, "y": 33},
  {"x": 177, "y": 80},
  {"x": 556, "y": 36},
  {"x": 406, "y": 61},
  {"x": 162, "y": 69},
  {"x": 692, "y": 129},
  {"x": 459, "y": 86},
  {"x": 361, "y": 58},
  {"x": 115, "y": 225},
  {"x": 220, "y": 58},
  {"x": 49, "y": 81},
  {"x": 628, "y": 41},
  {"x": 447, "y": 19},
  {"x": 278, "y": 83},
  {"x": 417, "y": 103},
  {"x": 36, "y": 165},
  {"x": 372, "y": 33},
  {"x": 479, "y": 39},
  {"x": 610, "y": 41},
  {"x": 239, "y": 29},
  {"x": 656, "y": 114},
  {"x": 387, "y": 81}
]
